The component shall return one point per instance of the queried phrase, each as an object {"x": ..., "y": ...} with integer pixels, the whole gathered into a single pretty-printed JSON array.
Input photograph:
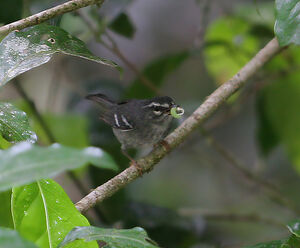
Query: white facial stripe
[
  {"x": 116, "y": 120},
  {"x": 152, "y": 104},
  {"x": 165, "y": 105},
  {"x": 125, "y": 121},
  {"x": 157, "y": 112}
]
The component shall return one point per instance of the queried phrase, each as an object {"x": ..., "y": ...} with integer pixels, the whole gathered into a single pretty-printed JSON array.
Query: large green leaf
[
  {"x": 4, "y": 144},
  {"x": 5, "y": 209},
  {"x": 287, "y": 25},
  {"x": 14, "y": 125},
  {"x": 67, "y": 129},
  {"x": 281, "y": 100},
  {"x": 156, "y": 71},
  {"x": 23, "y": 50},
  {"x": 114, "y": 238},
  {"x": 24, "y": 162},
  {"x": 229, "y": 45},
  {"x": 122, "y": 25},
  {"x": 11, "y": 239},
  {"x": 44, "y": 214}
]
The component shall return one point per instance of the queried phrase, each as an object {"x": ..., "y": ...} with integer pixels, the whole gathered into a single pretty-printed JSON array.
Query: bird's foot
[
  {"x": 133, "y": 163},
  {"x": 137, "y": 166}
]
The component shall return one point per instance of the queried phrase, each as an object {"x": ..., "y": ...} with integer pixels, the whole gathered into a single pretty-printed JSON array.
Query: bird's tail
[{"x": 105, "y": 104}]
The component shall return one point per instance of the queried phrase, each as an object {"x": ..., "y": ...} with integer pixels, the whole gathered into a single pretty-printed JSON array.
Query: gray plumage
[{"x": 136, "y": 123}]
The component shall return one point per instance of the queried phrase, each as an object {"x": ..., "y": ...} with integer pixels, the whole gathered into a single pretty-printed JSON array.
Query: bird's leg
[{"x": 133, "y": 162}]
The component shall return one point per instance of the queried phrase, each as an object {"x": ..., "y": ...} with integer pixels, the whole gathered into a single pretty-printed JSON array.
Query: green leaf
[
  {"x": 23, "y": 50},
  {"x": 272, "y": 244},
  {"x": 63, "y": 128},
  {"x": 156, "y": 72},
  {"x": 11, "y": 239},
  {"x": 44, "y": 214},
  {"x": 123, "y": 25},
  {"x": 229, "y": 45},
  {"x": 24, "y": 162},
  {"x": 4, "y": 144},
  {"x": 267, "y": 137},
  {"x": 294, "y": 228},
  {"x": 291, "y": 242},
  {"x": 287, "y": 25},
  {"x": 14, "y": 125},
  {"x": 5, "y": 209},
  {"x": 281, "y": 101},
  {"x": 126, "y": 238}
]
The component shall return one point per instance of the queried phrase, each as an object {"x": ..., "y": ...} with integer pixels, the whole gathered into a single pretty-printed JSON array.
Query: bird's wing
[{"x": 122, "y": 122}]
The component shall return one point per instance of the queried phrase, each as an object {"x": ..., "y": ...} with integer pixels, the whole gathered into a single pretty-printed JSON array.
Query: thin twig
[
  {"x": 205, "y": 110},
  {"x": 47, "y": 14},
  {"x": 205, "y": 11},
  {"x": 36, "y": 113},
  {"x": 269, "y": 189}
]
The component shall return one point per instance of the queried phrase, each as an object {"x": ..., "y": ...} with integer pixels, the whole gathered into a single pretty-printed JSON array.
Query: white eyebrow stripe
[
  {"x": 152, "y": 104},
  {"x": 125, "y": 121},
  {"x": 116, "y": 120},
  {"x": 165, "y": 105}
]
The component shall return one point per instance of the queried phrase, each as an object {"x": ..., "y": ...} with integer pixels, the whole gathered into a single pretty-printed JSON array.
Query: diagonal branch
[
  {"x": 205, "y": 110},
  {"x": 47, "y": 14}
]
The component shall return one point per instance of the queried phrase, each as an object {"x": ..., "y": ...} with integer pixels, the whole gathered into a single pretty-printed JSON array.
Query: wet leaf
[
  {"x": 294, "y": 228},
  {"x": 24, "y": 163},
  {"x": 287, "y": 25},
  {"x": 117, "y": 238},
  {"x": 44, "y": 214},
  {"x": 14, "y": 125},
  {"x": 23, "y": 50},
  {"x": 11, "y": 239}
]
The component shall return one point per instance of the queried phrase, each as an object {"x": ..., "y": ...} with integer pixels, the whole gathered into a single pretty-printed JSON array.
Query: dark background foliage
[{"x": 195, "y": 197}]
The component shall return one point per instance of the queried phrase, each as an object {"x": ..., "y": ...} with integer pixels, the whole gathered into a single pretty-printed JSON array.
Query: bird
[{"x": 137, "y": 123}]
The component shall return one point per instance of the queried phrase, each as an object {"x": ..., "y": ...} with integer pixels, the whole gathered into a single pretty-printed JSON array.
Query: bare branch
[
  {"x": 205, "y": 110},
  {"x": 47, "y": 14}
]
